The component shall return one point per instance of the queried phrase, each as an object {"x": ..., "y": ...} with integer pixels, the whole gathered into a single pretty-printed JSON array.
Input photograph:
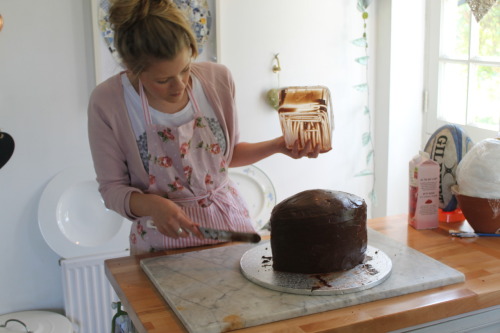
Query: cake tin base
[{"x": 257, "y": 266}]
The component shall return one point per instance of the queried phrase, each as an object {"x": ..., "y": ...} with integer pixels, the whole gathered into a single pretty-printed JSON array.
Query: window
[{"x": 463, "y": 68}]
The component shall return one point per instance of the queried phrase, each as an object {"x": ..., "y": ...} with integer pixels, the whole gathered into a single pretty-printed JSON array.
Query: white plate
[
  {"x": 36, "y": 322},
  {"x": 258, "y": 192},
  {"x": 73, "y": 219}
]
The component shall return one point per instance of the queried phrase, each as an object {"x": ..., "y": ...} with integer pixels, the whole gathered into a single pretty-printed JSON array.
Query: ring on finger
[{"x": 179, "y": 231}]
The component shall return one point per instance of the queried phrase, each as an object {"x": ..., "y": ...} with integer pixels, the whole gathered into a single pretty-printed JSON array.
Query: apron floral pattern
[{"x": 187, "y": 166}]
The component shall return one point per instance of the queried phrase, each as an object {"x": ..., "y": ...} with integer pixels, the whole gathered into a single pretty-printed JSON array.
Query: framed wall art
[{"x": 108, "y": 62}]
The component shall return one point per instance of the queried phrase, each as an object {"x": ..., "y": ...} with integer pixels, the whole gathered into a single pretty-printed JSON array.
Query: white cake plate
[{"x": 257, "y": 266}]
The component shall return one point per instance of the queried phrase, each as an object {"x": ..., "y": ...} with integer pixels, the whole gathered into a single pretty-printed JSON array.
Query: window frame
[{"x": 431, "y": 80}]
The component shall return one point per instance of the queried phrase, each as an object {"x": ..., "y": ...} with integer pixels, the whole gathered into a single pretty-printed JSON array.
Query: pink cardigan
[{"x": 117, "y": 162}]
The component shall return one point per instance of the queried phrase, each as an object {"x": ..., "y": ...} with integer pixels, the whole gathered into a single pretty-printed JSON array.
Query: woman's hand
[
  {"x": 167, "y": 216},
  {"x": 296, "y": 153}
]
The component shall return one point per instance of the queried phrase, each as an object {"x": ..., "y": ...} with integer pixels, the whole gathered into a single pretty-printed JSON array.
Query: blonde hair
[{"x": 148, "y": 30}]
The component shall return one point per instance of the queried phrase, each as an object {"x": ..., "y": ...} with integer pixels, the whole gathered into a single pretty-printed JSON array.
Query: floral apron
[{"x": 186, "y": 165}]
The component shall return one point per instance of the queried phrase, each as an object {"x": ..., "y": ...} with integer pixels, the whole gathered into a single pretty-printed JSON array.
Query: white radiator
[{"x": 88, "y": 294}]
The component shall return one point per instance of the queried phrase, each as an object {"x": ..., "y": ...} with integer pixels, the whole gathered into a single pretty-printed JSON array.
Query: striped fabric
[{"x": 228, "y": 211}]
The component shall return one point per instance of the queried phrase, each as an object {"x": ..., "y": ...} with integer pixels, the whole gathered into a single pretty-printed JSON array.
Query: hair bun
[
  {"x": 149, "y": 29},
  {"x": 125, "y": 13}
]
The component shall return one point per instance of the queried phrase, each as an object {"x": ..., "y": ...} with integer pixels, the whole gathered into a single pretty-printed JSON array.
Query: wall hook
[
  {"x": 1, "y": 22},
  {"x": 277, "y": 66}
]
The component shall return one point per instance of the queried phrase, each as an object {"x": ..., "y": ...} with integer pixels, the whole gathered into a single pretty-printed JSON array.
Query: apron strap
[
  {"x": 145, "y": 105},
  {"x": 212, "y": 194},
  {"x": 193, "y": 100},
  {"x": 215, "y": 196}
]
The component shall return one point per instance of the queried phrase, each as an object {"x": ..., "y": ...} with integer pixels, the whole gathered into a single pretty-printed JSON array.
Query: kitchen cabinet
[{"x": 475, "y": 302}]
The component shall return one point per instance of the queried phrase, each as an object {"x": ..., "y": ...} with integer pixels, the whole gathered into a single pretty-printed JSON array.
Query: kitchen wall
[
  {"x": 47, "y": 74},
  {"x": 317, "y": 51},
  {"x": 313, "y": 40},
  {"x": 399, "y": 72}
]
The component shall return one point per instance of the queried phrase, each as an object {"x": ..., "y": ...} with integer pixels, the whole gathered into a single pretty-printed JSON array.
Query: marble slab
[{"x": 209, "y": 294}]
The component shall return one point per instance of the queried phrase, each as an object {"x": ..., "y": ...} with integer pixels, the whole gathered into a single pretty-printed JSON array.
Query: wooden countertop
[{"x": 477, "y": 258}]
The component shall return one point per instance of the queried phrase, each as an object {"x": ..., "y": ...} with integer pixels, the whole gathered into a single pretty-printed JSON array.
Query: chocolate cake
[{"x": 318, "y": 231}]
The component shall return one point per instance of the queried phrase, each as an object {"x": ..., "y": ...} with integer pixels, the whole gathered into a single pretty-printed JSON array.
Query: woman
[{"x": 164, "y": 132}]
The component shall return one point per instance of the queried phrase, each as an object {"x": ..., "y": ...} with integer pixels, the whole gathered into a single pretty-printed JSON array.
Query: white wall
[
  {"x": 314, "y": 41},
  {"x": 47, "y": 74},
  {"x": 398, "y": 102},
  {"x": 406, "y": 87}
]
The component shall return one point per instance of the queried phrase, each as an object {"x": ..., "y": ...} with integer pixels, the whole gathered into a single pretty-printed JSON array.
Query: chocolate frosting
[
  {"x": 338, "y": 206},
  {"x": 318, "y": 231}
]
